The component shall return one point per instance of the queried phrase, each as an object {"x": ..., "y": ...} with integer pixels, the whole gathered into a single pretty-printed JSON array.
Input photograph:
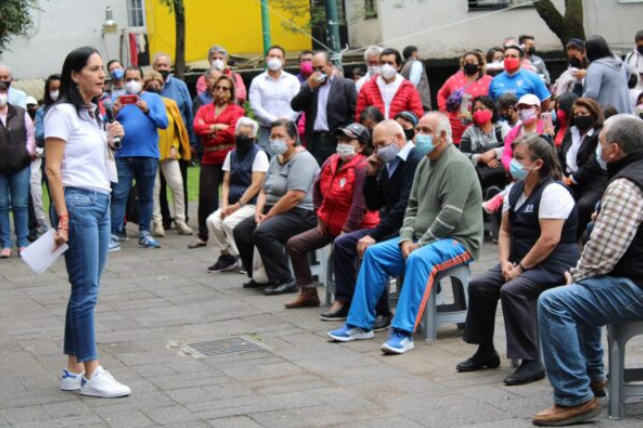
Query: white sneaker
[
  {"x": 183, "y": 229},
  {"x": 103, "y": 384},
  {"x": 70, "y": 381}
]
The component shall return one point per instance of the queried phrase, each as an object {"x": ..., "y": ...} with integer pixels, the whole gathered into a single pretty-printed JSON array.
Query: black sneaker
[
  {"x": 382, "y": 321},
  {"x": 224, "y": 264},
  {"x": 339, "y": 315}
]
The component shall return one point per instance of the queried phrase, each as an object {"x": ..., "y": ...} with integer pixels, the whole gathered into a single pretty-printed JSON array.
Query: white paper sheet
[{"x": 43, "y": 253}]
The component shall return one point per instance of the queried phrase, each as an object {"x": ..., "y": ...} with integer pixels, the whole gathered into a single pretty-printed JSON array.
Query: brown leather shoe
[
  {"x": 598, "y": 387},
  {"x": 307, "y": 297},
  {"x": 558, "y": 416}
]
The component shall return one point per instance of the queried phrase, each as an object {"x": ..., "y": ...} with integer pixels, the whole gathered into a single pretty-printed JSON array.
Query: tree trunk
[
  {"x": 565, "y": 27},
  {"x": 179, "y": 61}
]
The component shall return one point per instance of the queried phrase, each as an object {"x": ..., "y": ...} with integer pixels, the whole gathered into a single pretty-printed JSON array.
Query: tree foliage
[
  {"x": 177, "y": 7},
  {"x": 567, "y": 26},
  {"x": 15, "y": 19}
]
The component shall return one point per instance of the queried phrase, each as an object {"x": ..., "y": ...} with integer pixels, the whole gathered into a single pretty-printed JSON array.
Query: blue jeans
[
  {"x": 384, "y": 260},
  {"x": 571, "y": 319},
  {"x": 89, "y": 234},
  {"x": 143, "y": 170},
  {"x": 14, "y": 194}
]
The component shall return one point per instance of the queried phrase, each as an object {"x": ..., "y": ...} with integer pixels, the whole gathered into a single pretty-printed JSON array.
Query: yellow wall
[{"x": 234, "y": 24}]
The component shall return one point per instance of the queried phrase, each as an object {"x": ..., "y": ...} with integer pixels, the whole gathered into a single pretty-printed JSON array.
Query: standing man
[
  {"x": 305, "y": 66},
  {"x": 373, "y": 65},
  {"x": 16, "y": 96},
  {"x": 414, "y": 71},
  {"x": 529, "y": 44},
  {"x": 390, "y": 92},
  {"x": 218, "y": 59},
  {"x": 328, "y": 100},
  {"x": 117, "y": 74},
  {"x": 271, "y": 93},
  {"x": 139, "y": 156},
  {"x": 635, "y": 58},
  {"x": 606, "y": 285},
  {"x": 175, "y": 89}
]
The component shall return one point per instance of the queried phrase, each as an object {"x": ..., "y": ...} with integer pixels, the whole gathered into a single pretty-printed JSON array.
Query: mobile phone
[
  {"x": 128, "y": 99},
  {"x": 548, "y": 122},
  {"x": 321, "y": 77}
]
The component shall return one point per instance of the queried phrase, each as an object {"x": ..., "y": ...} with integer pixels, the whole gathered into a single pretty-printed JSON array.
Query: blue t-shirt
[
  {"x": 141, "y": 135},
  {"x": 521, "y": 83}
]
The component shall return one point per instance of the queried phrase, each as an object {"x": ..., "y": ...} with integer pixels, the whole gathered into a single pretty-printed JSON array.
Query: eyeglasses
[{"x": 222, "y": 88}]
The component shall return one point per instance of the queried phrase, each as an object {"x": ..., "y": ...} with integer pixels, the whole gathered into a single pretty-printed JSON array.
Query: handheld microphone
[{"x": 109, "y": 112}]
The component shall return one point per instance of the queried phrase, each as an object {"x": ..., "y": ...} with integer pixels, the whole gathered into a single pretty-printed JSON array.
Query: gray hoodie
[{"x": 606, "y": 82}]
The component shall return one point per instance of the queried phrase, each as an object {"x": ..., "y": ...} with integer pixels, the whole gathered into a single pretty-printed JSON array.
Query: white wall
[
  {"x": 60, "y": 27},
  {"x": 362, "y": 32},
  {"x": 615, "y": 20}
]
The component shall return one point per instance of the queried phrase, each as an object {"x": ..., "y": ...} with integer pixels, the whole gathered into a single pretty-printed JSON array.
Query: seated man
[
  {"x": 607, "y": 283},
  {"x": 442, "y": 228}
]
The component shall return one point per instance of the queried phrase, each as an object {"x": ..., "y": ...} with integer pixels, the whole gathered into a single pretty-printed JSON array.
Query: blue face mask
[
  {"x": 278, "y": 147},
  {"x": 118, "y": 74},
  {"x": 388, "y": 153},
  {"x": 599, "y": 157},
  {"x": 518, "y": 170},
  {"x": 424, "y": 144}
]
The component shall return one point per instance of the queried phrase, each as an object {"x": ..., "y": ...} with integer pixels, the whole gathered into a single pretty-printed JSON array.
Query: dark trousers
[
  {"x": 298, "y": 248},
  {"x": 210, "y": 180},
  {"x": 491, "y": 176},
  {"x": 165, "y": 208},
  {"x": 322, "y": 146},
  {"x": 270, "y": 238},
  {"x": 345, "y": 267},
  {"x": 517, "y": 297},
  {"x": 586, "y": 203}
]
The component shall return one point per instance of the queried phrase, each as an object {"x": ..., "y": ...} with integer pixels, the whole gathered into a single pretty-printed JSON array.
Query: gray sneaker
[
  {"x": 146, "y": 241},
  {"x": 114, "y": 244}
]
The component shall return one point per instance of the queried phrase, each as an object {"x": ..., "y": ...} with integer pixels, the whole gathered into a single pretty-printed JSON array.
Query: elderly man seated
[
  {"x": 442, "y": 228},
  {"x": 607, "y": 283}
]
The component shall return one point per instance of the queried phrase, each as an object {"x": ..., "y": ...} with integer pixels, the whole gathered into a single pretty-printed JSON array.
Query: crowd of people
[{"x": 361, "y": 163}]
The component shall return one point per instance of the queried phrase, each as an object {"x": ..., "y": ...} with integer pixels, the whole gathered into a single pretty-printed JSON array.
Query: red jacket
[
  {"x": 216, "y": 146},
  {"x": 406, "y": 99},
  {"x": 339, "y": 198}
]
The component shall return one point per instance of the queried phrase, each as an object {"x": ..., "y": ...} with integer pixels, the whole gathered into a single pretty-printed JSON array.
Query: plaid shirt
[{"x": 619, "y": 218}]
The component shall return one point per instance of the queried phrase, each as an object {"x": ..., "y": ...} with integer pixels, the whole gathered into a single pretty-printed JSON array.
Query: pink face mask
[{"x": 306, "y": 68}]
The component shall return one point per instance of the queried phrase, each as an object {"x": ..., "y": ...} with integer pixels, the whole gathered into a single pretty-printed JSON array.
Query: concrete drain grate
[{"x": 232, "y": 345}]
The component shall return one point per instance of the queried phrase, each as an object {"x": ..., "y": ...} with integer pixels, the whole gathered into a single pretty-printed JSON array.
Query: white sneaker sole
[
  {"x": 395, "y": 351},
  {"x": 69, "y": 385},
  {"x": 89, "y": 393},
  {"x": 359, "y": 336},
  {"x": 114, "y": 249}
]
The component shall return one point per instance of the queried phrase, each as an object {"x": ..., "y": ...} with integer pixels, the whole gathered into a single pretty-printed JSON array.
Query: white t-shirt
[
  {"x": 556, "y": 203},
  {"x": 260, "y": 163},
  {"x": 84, "y": 162}
]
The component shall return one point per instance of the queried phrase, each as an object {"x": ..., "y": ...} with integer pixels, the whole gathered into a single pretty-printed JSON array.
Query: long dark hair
[
  {"x": 75, "y": 62},
  {"x": 488, "y": 102},
  {"x": 539, "y": 148},
  {"x": 47, "y": 100},
  {"x": 596, "y": 48}
]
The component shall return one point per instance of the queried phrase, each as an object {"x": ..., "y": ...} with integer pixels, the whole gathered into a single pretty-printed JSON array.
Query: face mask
[
  {"x": 518, "y": 170},
  {"x": 527, "y": 116},
  {"x": 512, "y": 64},
  {"x": 409, "y": 134},
  {"x": 561, "y": 116},
  {"x": 54, "y": 95},
  {"x": 531, "y": 50},
  {"x": 165, "y": 74},
  {"x": 306, "y": 68},
  {"x": 388, "y": 153},
  {"x": 274, "y": 64},
  {"x": 424, "y": 144},
  {"x": 133, "y": 87},
  {"x": 4, "y": 99},
  {"x": 599, "y": 157},
  {"x": 639, "y": 49},
  {"x": 583, "y": 123},
  {"x": 374, "y": 69},
  {"x": 471, "y": 69},
  {"x": 388, "y": 71},
  {"x": 506, "y": 118},
  {"x": 243, "y": 143},
  {"x": 345, "y": 151},
  {"x": 154, "y": 90},
  {"x": 278, "y": 147},
  {"x": 574, "y": 62},
  {"x": 218, "y": 64},
  {"x": 482, "y": 117},
  {"x": 118, "y": 74},
  {"x": 32, "y": 113}
]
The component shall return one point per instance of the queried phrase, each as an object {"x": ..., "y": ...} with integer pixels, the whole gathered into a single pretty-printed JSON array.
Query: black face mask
[
  {"x": 575, "y": 62},
  {"x": 583, "y": 123},
  {"x": 471, "y": 69},
  {"x": 531, "y": 50},
  {"x": 243, "y": 143},
  {"x": 409, "y": 134},
  {"x": 506, "y": 117},
  {"x": 154, "y": 90},
  {"x": 164, "y": 74},
  {"x": 640, "y": 49},
  {"x": 32, "y": 113}
]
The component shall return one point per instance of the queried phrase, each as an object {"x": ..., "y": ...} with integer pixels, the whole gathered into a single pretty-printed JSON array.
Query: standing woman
[
  {"x": 80, "y": 168},
  {"x": 17, "y": 147}
]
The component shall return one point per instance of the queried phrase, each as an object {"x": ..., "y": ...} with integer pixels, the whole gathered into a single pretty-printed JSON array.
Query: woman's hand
[
  {"x": 174, "y": 153},
  {"x": 363, "y": 244},
  {"x": 114, "y": 130},
  {"x": 61, "y": 237}
]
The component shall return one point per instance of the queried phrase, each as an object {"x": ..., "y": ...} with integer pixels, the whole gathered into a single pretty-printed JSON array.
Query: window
[
  {"x": 370, "y": 9},
  {"x": 496, "y": 4},
  {"x": 135, "y": 15}
]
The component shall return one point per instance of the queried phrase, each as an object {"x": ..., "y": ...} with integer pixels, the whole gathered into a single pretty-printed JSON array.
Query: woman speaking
[{"x": 80, "y": 168}]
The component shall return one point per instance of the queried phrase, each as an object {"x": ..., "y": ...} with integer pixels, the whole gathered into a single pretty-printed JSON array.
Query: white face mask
[
  {"x": 54, "y": 95},
  {"x": 388, "y": 71},
  {"x": 274, "y": 64},
  {"x": 4, "y": 99},
  {"x": 374, "y": 69},
  {"x": 345, "y": 151},
  {"x": 527, "y": 115},
  {"x": 218, "y": 64},
  {"x": 133, "y": 87}
]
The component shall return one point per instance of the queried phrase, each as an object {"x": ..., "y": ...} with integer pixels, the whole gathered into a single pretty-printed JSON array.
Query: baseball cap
[
  {"x": 529, "y": 100},
  {"x": 31, "y": 100},
  {"x": 354, "y": 131}
]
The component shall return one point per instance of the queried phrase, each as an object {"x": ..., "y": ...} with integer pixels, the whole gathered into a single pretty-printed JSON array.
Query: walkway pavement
[{"x": 154, "y": 302}]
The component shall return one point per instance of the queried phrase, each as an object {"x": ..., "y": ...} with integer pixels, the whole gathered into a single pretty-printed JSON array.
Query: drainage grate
[{"x": 233, "y": 345}]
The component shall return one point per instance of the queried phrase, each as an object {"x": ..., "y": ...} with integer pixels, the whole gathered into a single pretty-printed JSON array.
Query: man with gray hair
[
  {"x": 373, "y": 65},
  {"x": 442, "y": 228},
  {"x": 16, "y": 96},
  {"x": 606, "y": 285},
  {"x": 218, "y": 59}
]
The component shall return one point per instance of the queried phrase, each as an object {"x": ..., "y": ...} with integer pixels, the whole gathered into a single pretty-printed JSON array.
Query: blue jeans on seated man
[
  {"x": 384, "y": 260},
  {"x": 571, "y": 320},
  {"x": 143, "y": 170},
  {"x": 14, "y": 195}
]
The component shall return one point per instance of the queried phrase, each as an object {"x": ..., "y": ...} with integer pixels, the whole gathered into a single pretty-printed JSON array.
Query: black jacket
[
  {"x": 340, "y": 110},
  {"x": 589, "y": 176}
]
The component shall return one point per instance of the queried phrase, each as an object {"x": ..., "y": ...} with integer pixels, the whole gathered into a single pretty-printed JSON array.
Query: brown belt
[{"x": 218, "y": 148}]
